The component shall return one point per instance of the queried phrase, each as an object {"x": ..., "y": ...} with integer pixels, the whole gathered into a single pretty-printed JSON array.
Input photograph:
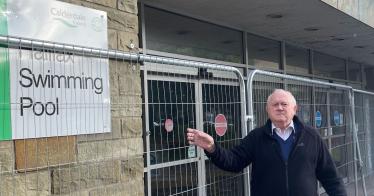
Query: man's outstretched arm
[{"x": 233, "y": 161}]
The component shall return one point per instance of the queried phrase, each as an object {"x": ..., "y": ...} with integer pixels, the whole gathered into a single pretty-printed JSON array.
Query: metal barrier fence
[
  {"x": 81, "y": 121},
  {"x": 325, "y": 106},
  {"x": 199, "y": 98},
  {"x": 364, "y": 110}
]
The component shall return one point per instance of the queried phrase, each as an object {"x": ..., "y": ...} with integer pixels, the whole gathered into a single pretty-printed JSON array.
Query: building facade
[{"x": 329, "y": 40}]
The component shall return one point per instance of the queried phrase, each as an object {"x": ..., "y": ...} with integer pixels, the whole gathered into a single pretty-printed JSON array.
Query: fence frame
[
  {"x": 136, "y": 57},
  {"x": 361, "y": 164},
  {"x": 352, "y": 115},
  {"x": 246, "y": 115}
]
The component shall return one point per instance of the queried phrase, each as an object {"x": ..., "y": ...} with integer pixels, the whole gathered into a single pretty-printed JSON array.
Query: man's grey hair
[{"x": 281, "y": 90}]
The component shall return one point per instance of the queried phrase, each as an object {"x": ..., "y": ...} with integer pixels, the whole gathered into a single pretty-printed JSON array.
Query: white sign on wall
[
  {"x": 56, "y": 21},
  {"x": 58, "y": 94}
]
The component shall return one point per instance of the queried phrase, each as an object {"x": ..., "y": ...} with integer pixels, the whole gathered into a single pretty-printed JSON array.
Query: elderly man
[{"x": 287, "y": 156}]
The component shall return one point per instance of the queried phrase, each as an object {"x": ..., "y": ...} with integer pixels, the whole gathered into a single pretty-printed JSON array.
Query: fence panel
[
  {"x": 194, "y": 95},
  {"x": 71, "y": 122},
  {"x": 364, "y": 111},
  {"x": 322, "y": 105},
  {"x": 81, "y": 121}
]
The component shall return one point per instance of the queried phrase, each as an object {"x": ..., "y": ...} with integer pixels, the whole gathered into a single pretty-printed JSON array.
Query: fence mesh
[
  {"x": 71, "y": 123},
  {"x": 193, "y": 98},
  {"x": 364, "y": 111},
  {"x": 88, "y": 122},
  {"x": 322, "y": 106}
]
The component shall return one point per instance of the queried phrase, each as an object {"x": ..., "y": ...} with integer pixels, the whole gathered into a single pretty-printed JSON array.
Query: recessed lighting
[
  {"x": 228, "y": 41},
  {"x": 183, "y": 32},
  {"x": 262, "y": 49},
  {"x": 338, "y": 39},
  {"x": 274, "y": 16},
  {"x": 312, "y": 29},
  {"x": 361, "y": 47}
]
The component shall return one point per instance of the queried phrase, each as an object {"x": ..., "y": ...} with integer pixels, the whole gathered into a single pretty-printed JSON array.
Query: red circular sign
[
  {"x": 221, "y": 124},
  {"x": 169, "y": 125}
]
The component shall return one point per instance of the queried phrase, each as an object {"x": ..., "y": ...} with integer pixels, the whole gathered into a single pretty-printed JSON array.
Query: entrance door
[
  {"x": 221, "y": 115},
  {"x": 175, "y": 104},
  {"x": 173, "y": 162}
]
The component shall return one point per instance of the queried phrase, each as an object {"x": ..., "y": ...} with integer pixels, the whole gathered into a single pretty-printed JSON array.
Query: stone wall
[
  {"x": 362, "y": 10},
  {"x": 97, "y": 164}
]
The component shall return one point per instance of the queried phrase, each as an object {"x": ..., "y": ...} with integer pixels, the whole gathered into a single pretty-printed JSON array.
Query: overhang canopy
[{"x": 335, "y": 33}]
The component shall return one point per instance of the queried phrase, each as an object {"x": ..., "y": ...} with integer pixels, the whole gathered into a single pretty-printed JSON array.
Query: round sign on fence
[
  {"x": 220, "y": 124},
  {"x": 336, "y": 117},
  {"x": 318, "y": 118},
  {"x": 169, "y": 125}
]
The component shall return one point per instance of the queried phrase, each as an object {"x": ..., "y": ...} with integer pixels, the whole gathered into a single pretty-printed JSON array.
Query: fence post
[{"x": 351, "y": 100}]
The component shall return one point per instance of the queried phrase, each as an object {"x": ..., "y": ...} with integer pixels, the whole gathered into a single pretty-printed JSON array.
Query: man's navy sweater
[{"x": 286, "y": 145}]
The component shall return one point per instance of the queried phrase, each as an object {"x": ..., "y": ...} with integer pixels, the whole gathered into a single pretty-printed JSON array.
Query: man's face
[{"x": 280, "y": 108}]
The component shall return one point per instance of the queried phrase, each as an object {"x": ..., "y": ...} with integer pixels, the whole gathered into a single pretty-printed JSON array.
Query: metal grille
[
  {"x": 191, "y": 97},
  {"x": 71, "y": 121},
  {"x": 330, "y": 101},
  {"x": 364, "y": 111},
  {"x": 133, "y": 141},
  {"x": 112, "y": 128}
]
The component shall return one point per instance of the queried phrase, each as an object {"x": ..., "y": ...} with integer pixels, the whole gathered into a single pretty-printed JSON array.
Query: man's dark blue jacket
[{"x": 309, "y": 161}]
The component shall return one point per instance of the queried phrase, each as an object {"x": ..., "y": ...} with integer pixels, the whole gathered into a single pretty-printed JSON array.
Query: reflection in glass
[
  {"x": 341, "y": 151},
  {"x": 228, "y": 104},
  {"x": 175, "y": 180},
  {"x": 369, "y": 77},
  {"x": 354, "y": 71},
  {"x": 172, "y": 33},
  {"x": 328, "y": 66},
  {"x": 321, "y": 106},
  {"x": 297, "y": 60},
  {"x": 339, "y": 109},
  {"x": 263, "y": 52},
  {"x": 220, "y": 182},
  {"x": 174, "y": 101}
]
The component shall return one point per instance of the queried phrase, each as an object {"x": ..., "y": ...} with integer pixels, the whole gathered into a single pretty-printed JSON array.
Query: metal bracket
[
  {"x": 248, "y": 118},
  {"x": 132, "y": 45}
]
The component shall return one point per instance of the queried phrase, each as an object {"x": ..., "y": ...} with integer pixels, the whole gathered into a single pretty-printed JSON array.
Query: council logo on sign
[{"x": 96, "y": 24}]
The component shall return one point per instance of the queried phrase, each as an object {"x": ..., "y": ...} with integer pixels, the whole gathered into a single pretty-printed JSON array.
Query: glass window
[
  {"x": 170, "y": 103},
  {"x": 339, "y": 108},
  {"x": 321, "y": 107},
  {"x": 297, "y": 60},
  {"x": 354, "y": 71},
  {"x": 328, "y": 66},
  {"x": 172, "y": 33},
  {"x": 369, "y": 77},
  {"x": 263, "y": 52}
]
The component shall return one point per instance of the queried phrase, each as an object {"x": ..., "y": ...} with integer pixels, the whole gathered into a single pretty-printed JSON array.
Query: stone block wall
[
  {"x": 362, "y": 10},
  {"x": 95, "y": 164}
]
